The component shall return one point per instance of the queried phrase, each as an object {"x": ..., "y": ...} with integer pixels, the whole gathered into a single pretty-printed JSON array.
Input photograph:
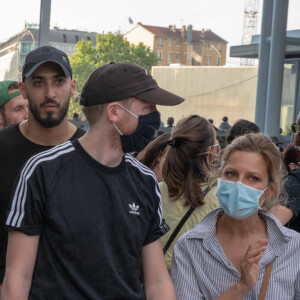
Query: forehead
[
  {"x": 19, "y": 100},
  {"x": 48, "y": 69},
  {"x": 247, "y": 162}
]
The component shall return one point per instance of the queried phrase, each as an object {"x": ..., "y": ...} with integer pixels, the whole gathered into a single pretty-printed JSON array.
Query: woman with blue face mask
[{"x": 240, "y": 250}]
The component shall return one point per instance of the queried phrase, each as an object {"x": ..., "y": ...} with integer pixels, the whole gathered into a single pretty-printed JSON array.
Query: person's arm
[
  {"x": 187, "y": 287},
  {"x": 157, "y": 282},
  {"x": 249, "y": 272},
  {"x": 20, "y": 261},
  {"x": 282, "y": 213}
]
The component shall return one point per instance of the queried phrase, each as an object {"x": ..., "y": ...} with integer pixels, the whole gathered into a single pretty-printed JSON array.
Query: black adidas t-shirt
[
  {"x": 92, "y": 220},
  {"x": 15, "y": 150}
]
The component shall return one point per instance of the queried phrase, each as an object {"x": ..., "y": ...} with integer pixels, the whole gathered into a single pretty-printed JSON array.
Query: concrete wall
[{"x": 211, "y": 92}]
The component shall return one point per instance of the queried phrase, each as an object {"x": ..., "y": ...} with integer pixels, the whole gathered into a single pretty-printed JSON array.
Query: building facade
[
  {"x": 183, "y": 46},
  {"x": 14, "y": 51}
]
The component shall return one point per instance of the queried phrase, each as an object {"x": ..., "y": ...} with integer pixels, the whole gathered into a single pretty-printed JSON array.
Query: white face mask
[{"x": 134, "y": 115}]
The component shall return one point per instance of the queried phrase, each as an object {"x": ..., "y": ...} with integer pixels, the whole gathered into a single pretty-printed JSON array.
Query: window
[
  {"x": 170, "y": 43},
  {"x": 88, "y": 38},
  {"x": 208, "y": 60},
  {"x": 169, "y": 56},
  {"x": 160, "y": 43},
  {"x": 26, "y": 47},
  {"x": 177, "y": 57},
  {"x": 219, "y": 47},
  {"x": 178, "y": 43},
  {"x": 65, "y": 38},
  {"x": 218, "y": 61},
  {"x": 76, "y": 38},
  {"x": 159, "y": 55}
]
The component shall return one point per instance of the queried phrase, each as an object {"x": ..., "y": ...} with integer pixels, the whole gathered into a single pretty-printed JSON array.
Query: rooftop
[{"x": 173, "y": 32}]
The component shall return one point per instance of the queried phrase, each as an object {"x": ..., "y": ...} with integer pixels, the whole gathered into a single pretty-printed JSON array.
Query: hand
[{"x": 249, "y": 264}]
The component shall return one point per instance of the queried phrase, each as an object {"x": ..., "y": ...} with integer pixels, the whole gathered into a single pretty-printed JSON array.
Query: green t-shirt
[{"x": 174, "y": 211}]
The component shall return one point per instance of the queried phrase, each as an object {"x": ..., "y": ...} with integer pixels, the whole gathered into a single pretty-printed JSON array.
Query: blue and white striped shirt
[{"x": 201, "y": 270}]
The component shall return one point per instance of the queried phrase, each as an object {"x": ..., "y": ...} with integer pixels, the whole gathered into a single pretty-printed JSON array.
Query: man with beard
[
  {"x": 13, "y": 107},
  {"x": 86, "y": 217},
  {"x": 48, "y": 85}
]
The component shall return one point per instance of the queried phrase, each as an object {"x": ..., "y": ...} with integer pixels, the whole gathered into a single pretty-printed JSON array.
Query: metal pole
[
  {"x": 263, "y": 69},
  {"x": 44, "y": 31},
  {"x": 276, "y": 66}
]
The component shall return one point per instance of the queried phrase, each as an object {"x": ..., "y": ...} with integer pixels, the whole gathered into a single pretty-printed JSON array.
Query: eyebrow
[{"x": 41, "y": 77}]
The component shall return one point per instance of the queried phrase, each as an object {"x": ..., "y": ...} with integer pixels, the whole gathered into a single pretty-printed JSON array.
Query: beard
[{"x": 50, "y": 120}]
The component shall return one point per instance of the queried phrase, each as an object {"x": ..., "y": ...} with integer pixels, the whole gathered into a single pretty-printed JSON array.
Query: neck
[
  {"x": 37, "y": 134},
  {"x": 103, "y": 143},
  {"x": 242, "y": 228}
]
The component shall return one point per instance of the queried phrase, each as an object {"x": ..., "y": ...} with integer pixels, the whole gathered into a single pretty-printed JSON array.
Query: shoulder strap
[
  {"x": 264, "y": 286},
  {"x": 181, "y": 223}
]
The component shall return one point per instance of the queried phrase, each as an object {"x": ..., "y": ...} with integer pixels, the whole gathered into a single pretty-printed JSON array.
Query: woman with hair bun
[
  {"x": 191, "y": 150},
  {"x": 241, "y": 251}
]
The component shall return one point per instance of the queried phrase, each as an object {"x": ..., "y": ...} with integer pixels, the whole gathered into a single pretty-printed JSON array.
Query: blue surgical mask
[
  {"x": 137, "y": 141},
  {"x": 238, "y": 200}
]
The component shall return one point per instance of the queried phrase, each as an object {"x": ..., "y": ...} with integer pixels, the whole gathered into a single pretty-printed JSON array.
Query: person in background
[
  {"x": 170, "y": 123},
  {"x": 241, "y": 127},
  {"x": 291, "y": 161},
  {"x": 152, "y": 155},
  {"x": 190, "y": 153},
  {"x": 211, "y": 121},
  {"x": 224, "y": 126},
  {"x": 278, "y": 143},
  {"x": 13, "y": 107},
  {"x": 240, "y": 244}
]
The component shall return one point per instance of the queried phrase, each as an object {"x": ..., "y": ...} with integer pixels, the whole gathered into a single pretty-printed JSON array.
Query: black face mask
[{"x": 137, "y": 141}]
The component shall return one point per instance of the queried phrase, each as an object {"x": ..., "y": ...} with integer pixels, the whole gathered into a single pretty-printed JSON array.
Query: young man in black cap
[
  {"x": 13, "y": 107},
  {"x": 87, "y": 214},
  {"x": 48, "y": 85}
]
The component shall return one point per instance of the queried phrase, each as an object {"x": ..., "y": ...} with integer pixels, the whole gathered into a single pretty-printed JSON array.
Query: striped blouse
[{"x": 201, "y": 270}]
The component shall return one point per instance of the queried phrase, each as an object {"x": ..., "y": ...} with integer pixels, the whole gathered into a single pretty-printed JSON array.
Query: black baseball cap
[
  {"x": 45, "y": 54},
  {"x": 120, "y": 81}
]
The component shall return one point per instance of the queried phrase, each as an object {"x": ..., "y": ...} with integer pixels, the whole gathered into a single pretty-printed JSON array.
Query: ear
[
  {"x": 23, "y": 89},
  {"x": 1, "y": 121},
  {"x": 270, "y": 191},
  {"x": 73, "y": 87},
  {"x": 292, "y": 166},
  {"x": 113, "y": 112}
]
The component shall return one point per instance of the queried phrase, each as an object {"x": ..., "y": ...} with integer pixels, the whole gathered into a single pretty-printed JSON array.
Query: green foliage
[{"x": 109, "y": 47}]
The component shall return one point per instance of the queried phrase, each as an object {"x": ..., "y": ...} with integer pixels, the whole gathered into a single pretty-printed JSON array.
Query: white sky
[{"x": 224, "y": 17}]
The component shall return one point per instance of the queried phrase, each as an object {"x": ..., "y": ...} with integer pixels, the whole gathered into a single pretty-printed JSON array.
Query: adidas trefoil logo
[{"x": 134, "y": 209}]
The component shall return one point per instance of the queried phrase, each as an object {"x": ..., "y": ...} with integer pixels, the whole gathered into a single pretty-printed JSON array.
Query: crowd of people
[{"x": 114, "y": 213}]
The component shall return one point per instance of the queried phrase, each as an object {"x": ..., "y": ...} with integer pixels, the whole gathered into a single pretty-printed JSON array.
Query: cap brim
[
  {"x": 160, "y": 96},
  {"x": 30, "y": 72}
]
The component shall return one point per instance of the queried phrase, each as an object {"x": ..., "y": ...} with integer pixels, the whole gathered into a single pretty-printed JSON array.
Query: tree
[{"x": 109, "y": 47}]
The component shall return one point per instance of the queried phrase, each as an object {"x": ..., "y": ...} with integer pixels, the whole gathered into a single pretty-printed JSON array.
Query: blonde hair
[{"x": 262, "y": 145}]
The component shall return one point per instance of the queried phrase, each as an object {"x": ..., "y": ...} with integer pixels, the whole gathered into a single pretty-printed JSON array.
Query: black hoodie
[{"x": 292, "y": 187}]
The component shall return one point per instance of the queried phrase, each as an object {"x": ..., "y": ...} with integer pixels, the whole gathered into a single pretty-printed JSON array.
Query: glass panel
[
  {"x": 288, "y": 98},
  {"x": 26, "y": 47}
]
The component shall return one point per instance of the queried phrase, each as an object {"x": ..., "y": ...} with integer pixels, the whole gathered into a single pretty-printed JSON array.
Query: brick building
[{"x": 183, "y": 46}]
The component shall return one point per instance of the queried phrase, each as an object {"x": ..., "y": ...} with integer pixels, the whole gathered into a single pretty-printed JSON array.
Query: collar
[{"x": 278, "y": 236}]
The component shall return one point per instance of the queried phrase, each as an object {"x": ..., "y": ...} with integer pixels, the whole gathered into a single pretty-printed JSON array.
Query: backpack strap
[{"x": 181, "y": 223}]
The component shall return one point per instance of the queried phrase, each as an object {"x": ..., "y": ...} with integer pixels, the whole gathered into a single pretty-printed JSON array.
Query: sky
[{"x": 223, "y": 17}]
